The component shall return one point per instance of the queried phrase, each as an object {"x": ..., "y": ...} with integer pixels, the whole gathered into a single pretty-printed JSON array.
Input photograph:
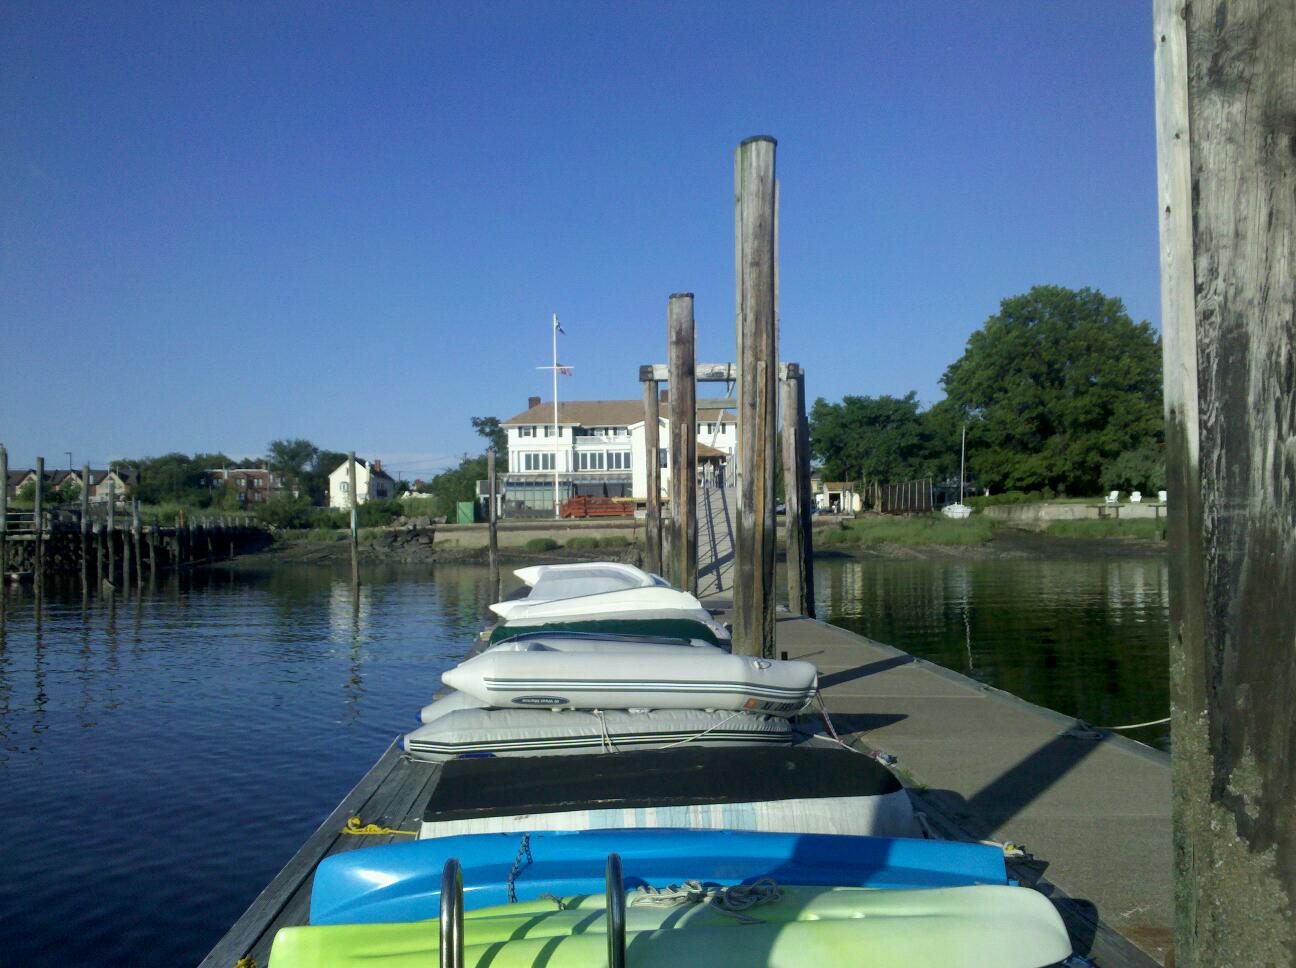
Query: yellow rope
[
  {"x": 353, "y": 826},
  {"x": 248, "y": 962}
]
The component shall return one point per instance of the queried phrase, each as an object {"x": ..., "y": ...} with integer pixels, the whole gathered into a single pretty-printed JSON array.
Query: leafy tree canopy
[
  {"x": 1056, "y": 384},
  {"x": 291, "y": 457},
  {"x": 496, "y": 435},
  {"x": 868, "y": 437}
]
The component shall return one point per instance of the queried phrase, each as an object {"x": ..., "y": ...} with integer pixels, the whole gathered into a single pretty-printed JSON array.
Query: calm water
[
  {"x": 1085, "y": 637},
  {"x": 160, "y": 758}
]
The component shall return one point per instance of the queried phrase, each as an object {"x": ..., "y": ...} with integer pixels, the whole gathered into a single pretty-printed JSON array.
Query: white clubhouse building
[{"x": 598, "y": 450}]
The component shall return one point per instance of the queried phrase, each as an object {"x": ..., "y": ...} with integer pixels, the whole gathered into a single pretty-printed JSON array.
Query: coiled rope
[
  {"x": 732, "y": 901},
  {"x": 355, "y": 828}
]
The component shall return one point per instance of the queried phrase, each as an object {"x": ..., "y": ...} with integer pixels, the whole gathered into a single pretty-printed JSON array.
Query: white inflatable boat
[
  {"x": 546, "y": 583},
  {"x": 692, "y": 679},
  {"x": 648, "y": 610},
  {"x": 543, "y": 732}
]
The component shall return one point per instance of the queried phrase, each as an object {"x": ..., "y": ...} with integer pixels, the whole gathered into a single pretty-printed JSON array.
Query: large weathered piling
[
  {"x": 757, "y": 395},
  {"x": 796, "y": 493},
  {"x": 1226, "y": 96},
  {"x": 355, "y": 519},
  {"x": 38, "y": 522},
  {"x": 492, "y": 520},
  {"x": 652, "y": 473},
  {"x": 85, "y": 528},
  {"x": 112, "y": 532},
  {"x": 681, "y": 360}
]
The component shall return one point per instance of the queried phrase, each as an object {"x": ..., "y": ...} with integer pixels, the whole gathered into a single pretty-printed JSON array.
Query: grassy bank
[
  {"x": 912, "y": 531},
  {"x": 1145, "y": 528}
]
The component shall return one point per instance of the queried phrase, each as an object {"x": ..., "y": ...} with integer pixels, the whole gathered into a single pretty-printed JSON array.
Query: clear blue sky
[{"x": 224, "y": 223}]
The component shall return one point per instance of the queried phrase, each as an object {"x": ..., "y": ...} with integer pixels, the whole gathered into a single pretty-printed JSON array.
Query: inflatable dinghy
[
  {"x": 806, "y": 789},
  {"x": 650, "y": 610},
  {"x": 542, "y": 732},
  {"x": 829, "y": 927},
  {"x": 695, "y": 679},
  {"x": 554, "y": 582}
]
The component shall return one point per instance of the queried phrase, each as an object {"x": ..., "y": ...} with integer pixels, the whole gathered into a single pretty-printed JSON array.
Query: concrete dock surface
[{"x": 1091, "y": 808}]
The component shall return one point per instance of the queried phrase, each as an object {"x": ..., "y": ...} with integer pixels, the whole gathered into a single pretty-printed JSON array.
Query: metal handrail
[
  {"x": 616, "y": 913},
  {"x": 452, "y": 915}
]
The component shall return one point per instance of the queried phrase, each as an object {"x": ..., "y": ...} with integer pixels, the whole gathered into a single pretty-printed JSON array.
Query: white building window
[
  {"x": 526, "y": 431},
  {"x": 344, "y": 487},
  {"x": 538, "y": 462},
  {"x": 618, "y": 460}
]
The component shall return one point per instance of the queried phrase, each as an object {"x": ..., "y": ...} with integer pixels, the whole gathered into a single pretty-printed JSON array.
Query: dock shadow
[{"x": 868, "y": 669}]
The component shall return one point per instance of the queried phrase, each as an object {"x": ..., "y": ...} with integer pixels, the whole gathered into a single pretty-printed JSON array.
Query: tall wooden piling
[
  {"x": 85, "y": 527},
  {"x": 355, "y": 519},
  {"x": 179, "y": 542},
  {"x": 99, "y": 555},
  {"x": 492, "y": 524},
  {"x": 1226, "y": 96},
  {"x": 152, "y": 543},
  {"x": 126, "y": 559},
  {"x": 652, "y": 474},
  {"x": 38, "y": 521},
  {"x": 796, "y": 493},
  {"x": 682, "y": 373},
  {"x": 135, "y": 540},
  {"x": 112, "y": 532},
  {"x": 757, "y": 396},
  {"x": 4, "y": 509}
]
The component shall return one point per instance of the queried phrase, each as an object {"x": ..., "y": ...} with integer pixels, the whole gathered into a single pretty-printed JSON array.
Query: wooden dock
[{"x": 1092, "y": 809}]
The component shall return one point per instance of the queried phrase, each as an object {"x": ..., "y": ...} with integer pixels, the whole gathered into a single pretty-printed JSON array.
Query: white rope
[
  {"x": 732, "y": 901},
  {"x": 1154, "y": 722},
  {"x": 605, "y": 737},
  {"x": 697, "y": 736}
]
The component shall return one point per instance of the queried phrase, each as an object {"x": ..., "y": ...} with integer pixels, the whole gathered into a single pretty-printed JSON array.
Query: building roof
[
  {"x": 601, "y": 413},
  {"x": 705, "y": 450},
  {"x": 375, "y": 472}
]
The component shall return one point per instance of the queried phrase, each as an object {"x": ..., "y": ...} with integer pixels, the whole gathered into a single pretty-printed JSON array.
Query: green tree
[
  {"x": 314, "y": 482},
  {"x": 1055, "y": 385},
  {"x": 291, "y": 458},
  {"x": 495, "y": 434},
  {"x": 1136, "y": 470},
  {"x": 174, "y": 478},
  {"x": 879, "y": 438}
]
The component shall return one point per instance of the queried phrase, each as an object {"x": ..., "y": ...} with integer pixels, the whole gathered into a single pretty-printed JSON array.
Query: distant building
[
  {"x": 252, "y": 485},
  {"x": 371, "y": 482},
  {"x": 597, "y": 449},
  {"x": 122, "y": 481}
]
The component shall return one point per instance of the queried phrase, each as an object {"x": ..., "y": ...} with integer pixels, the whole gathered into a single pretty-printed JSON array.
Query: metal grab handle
[
  {"x": 452, "y": 915},
  {"x": 616, "y": 913}
]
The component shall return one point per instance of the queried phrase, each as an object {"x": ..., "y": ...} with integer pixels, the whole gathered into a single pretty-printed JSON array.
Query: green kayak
[{"x": 959, "y": 927}]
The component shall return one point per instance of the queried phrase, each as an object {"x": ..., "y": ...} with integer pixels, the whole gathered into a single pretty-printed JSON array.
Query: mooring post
[
  {"x": 135, "y": 540},
  {"x": 38, "y": 518},
  {"x": 796, "y": 494},
  {"x": 682, "y": 374},
  {"x": 355, "y": 519},
  {"x": 85, "y": 527},
  {"x": 126, "y": 559},
  {"x": 111, "y": 532},
  {"x": 492, "y": 524},
  {"x": 4, "y": 509},
  {"x": 1226, "y": 167},
  {"x": 652, "y": 474},
  {"x": 757, "y": 396},
  {"x": 152, "y": 543}
]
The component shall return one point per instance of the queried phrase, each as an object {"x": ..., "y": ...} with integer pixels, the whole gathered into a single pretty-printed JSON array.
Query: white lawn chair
[
  {"x": 1161, "y": 496},
  {"x": 1113, "y": 497},
  {"x": 1136, "y": 497}
]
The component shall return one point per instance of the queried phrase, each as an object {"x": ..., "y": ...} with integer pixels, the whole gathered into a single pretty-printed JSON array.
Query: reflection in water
[
  {"x": 229, "y": 699},
  {"x": 1088, "y": 638}
]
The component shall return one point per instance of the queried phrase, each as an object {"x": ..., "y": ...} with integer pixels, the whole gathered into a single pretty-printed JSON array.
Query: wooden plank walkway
[
  {"x": 715, "y": 540},
  {"x": 1093, "y": 809}
]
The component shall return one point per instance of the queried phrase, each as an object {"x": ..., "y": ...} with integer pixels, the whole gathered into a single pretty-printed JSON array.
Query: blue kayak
[{"x": 402, "y": 882}]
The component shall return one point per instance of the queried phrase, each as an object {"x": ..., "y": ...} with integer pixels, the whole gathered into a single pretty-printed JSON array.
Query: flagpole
[{"x": 557, "y": 514}]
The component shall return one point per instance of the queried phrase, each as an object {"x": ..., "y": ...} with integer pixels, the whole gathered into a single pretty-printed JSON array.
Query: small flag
[
  {"x": 558, "y": 326},
  {"x": 564, "y": 370}
]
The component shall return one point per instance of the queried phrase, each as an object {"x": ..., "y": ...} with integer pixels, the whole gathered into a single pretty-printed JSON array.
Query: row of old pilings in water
[{"x": 111, "y": 555}]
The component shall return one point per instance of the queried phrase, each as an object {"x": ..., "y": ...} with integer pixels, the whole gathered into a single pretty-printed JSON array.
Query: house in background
[
  {"x": 252, "y": 485},
  {"x": 123, "y": 482},
  {"x": 597, "y": 450},
  {"x": 371, "y": 482}
]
